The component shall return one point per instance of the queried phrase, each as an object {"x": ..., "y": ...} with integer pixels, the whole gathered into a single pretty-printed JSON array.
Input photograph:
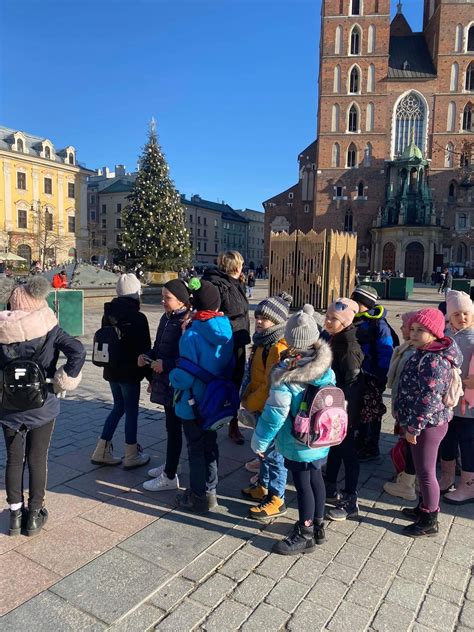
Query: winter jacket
[
  {"x": 256, "y": 393},
  {"x": 400, "y": 357},
  {"x": 166, "y": 349},
  {"x": 465, "y": 341},
  {"x": 423, "y": 384},
  {"x": 23, "y": 332},
  {"x": 286, "y": 393},
  {"x": 347, "y": 366},
  {"x": 447, "y": 283},
  {"x": 208, "y": 343},
  {"x": 375, "y": 339},
  {"x": 59, "y": 282},
  {"x": 124, "y": 312},
  {"x": 234, "y": 304}
]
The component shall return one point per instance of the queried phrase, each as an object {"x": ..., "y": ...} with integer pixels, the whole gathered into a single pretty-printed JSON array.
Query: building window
[
  {"x": 21, "y": 180},
  {"x": 410, "y": 119},
  {"x": 467, "y": 118},
  {"x": 93, "y": 216},
  {"x": 103, "y": 222},
  {"x": 337, "y": 80},
  {"x": 369, "y": 118},
  {"x": 104, "y": 208},
  {"x": 205, "y": 233},
  {"x": 205, "y": 246},
  {"x": 451, "y": 122},
  {"x": 216, "y": 235},
  {"x": 376, "y": 7},
  {"x": 371, "y": 39},
  {"x": 216, "y": 223},
  {"x": 462, "y": 253},
  {"x": 119, "y": 239},
  {"x": 20, "y": 145},
  {"x": 199, "y": 232},
  {"x": 48, "y": 186},
  {"x": 306, "y": 208},
  {"x": 339, "y": 191},
  {"x": 458, "y": 38},
  {"x": 338, "y": 41},
  {"x": 453, "y": 86},
  {"x": 71, "y": 224},
  {"x": 48, "y": 220},
  {"x": 205, "y": 221},
  {"x": 353, "y": 122},
  {"x": 335, "y": 118},
  {"x": 341, "y": 7},
  {"x": 470, "y": 39},
  {"x": 470, "y": 77},
  {"x": 449, "y": 156},
  {"x": 92, "y": 199},
  {"x": 190, "y": 219},
  {"x": 70, "y": 189},
  {"x": 452, "y": 191},
  {"x": 70, "y": 158},
  {"x": 22, "y": 218},
  {"x": 360, "y": 190},
  {"x": 118, "y": 223},
  {"x": 355, "y": 7},
  {"x": 371, "y": 78},
  {"x": 199, "y": 219},
  {"x": 290, "y": 197},
  {"x": 47, "y": 153},
  {"x": 216, "y": 248},
  {"x": 355, "y": 41},
  {"x": 336, "y": 155},
  {"x": 119, "y": 207},
  {"x": 199, "y": 245},
  {"x": 351, "y": 156},
  {"x": 348, "y": 223},
  {"x": 464, "y": 160},
  {"x": 462, "y": 221},
  {"x": 368, "y": 155},
  {"x": 354, "y": 81}
]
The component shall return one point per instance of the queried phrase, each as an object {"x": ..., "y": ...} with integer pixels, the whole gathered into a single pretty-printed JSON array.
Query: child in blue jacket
[
  {"x": 208, "y": 343},
  {"x": 307, "y": 361}
]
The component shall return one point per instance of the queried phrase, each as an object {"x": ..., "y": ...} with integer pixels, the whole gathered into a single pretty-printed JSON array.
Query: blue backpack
[{"x": 220, "y": 402}]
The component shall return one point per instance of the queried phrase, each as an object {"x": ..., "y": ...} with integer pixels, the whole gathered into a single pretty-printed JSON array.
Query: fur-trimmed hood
[
  {"x": 21, "y": 326},
  {"x": 308, "y": 367}
]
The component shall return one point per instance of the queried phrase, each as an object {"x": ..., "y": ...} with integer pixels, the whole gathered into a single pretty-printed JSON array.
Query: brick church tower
[{"x": 387, "y": 94}]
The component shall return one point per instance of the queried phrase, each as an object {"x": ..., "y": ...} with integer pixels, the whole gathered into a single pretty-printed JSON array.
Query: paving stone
[
  {"x": 451, "y": 575},
  {"x": 425, "y": 549},
  {"x": 334, "y": 542},
  {"x": 306, "y": 570},
  {"x": 186, "y": 617},
  {"x": 203, "y": 566},
  {"x": 265, "y": 617},
  {"x": 364, "y": 594},
  {"x": 140, "y": 619},
  {"x": 173, "y": 592},
  {"x": 389, "y": 552},
  {"x": 230, "y": 615},
  {"x": 307, "y": 618},
  {"x": 463, "y": 534},
  {"x": 91, "y": 590},
  {"x": 345, "y": 574},
  {"x": 213, "y": 590},
  {"x": 275, "y": 566},
  {"x": 287, "y": 594},
  {"x": 416, "y": 570},
  {"x": 253, "y": 589},
  {"x": 365, "y": 538},
  {"x": 226, "y": 546},
  {"x": 392, "y": 617},
  {"x": 238, "y": 566},
  {"x": 352, "y": 556},
  {"x": 351, "y": 617},
  {"x": 467, "y": 614},
  {"x": 327, "y": 592},
  {"x": 438, "y": 614},
  {"x": 445, "y": 592},
  {"x": 470, "y": 590},
  {"x": 405, "y": 593},
  {"x": 49, "y": 612}
]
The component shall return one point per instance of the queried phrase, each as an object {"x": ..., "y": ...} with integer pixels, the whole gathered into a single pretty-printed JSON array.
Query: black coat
[
  {"x": 125, "y": 313},
  {"x": 347, "y": 365},
  {"x": 234, "y": 304},
  {"x": 166, "y": 348}
]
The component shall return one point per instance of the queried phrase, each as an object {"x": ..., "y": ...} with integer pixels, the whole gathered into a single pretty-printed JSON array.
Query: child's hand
[
  {"x": 141, "y": 361},
  {"x": 157, "y": 366},
  {"x": 410, "y": 438}
]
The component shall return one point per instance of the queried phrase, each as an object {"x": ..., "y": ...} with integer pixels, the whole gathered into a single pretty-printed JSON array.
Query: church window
[
  {"x": 410, "y": 118},
  {"x": 338, "y": 41},
  {"x": 451, "y": 122},
  {"x": 337, "y": 79},
  {"x": 470, "y": 77},
  {"x": 335, "y": 118},
  {"x": 369, "y": 118},
  {"x": 353, "y": 119},
  {"x": 355, "y": 41},
  {"x": 467, "y": 119},
  {"x": 354, "y": 81},
  {"x": 462, "y": 222},
  {"x": 449, "y": 156},
  {"x": 360, "y": 190},
  {"x": 371, "y": 78},
  {"x": 376, "y": 8},
  {"x": 368, "y": 155},
  {"x": 348, "y": 223},
  {"x": 352, "y": 156},
  {"x": 458, "y": 40},
  {"x": 336, "y": 155},
  {"x": 355, "y": 7},
  {"x": 371, "y": 39},
  {"x": 453, "y": 86},
  {"x": 470, "y": 39}
]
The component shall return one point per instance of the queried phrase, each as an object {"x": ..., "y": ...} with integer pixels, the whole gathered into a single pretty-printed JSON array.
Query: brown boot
[
  {"x": 134, "y": 457},
  {"x": 103, "y": 454}
]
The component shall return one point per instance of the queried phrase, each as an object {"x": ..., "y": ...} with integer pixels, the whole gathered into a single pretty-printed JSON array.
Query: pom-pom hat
[
  {"x": 31, "y": 296},
  {"x": 205, "y": 295},
  {"x": 301, "y": 331},
  {"x": 432, "y": 320},
  {"x": 275, "y": 308}
]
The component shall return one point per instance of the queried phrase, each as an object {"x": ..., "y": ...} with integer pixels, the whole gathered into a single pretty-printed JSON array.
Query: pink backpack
[{"x": 322, "y": 420}]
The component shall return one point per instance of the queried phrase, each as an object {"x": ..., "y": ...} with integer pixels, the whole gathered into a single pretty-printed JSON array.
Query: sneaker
[
  {"x": 270, "y": 508},
  {"x": 255, "y": 492},
  {"x": 333, "y": 496},
  {"x": 253, "y": 466},
  {"x": 189, "y": 501},
  {"x": 158, "y": 471},
  {"x": 347, "y": 508},
  {"x": 161, "y": 483},
  {"x": 300, "y": 540}
]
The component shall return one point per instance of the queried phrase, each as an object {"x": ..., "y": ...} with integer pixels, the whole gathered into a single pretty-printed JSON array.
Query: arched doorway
[
  {"x": 388, "y": 259},
  {"x": 24, "y": 251},
  {"x": 414, "y": 257}
]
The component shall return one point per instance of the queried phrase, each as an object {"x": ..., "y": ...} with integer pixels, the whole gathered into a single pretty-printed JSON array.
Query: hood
[
  {"x": 311, "y": 366},
  {"x": 447, "y": 348},
  {"x": 464, "y": 335},
  {"x": 20, "y": 326},
  {"x": 344, "y": 337},
  {"x": 216, "y": 331},
  {"x": 120, "y": 306},
  {"x": 375, "y": 313}
]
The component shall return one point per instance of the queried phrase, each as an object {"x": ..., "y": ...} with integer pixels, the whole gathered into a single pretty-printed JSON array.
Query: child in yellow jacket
[{"x": 268, "y": 345}]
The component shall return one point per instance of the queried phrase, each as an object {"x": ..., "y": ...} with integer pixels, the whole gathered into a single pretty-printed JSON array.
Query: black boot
[
  {"x": 17, "y": 521},
  {"x": 319, "y": 532},
  {"x": 300, "y": 540},
  {"x": 37, "y": 518},
  {"x": 427, "y": 524},
  {"x": 412, "y": 512}
]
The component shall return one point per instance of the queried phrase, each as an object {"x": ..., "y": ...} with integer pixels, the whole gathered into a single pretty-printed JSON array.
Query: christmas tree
[{"x": 155, "y": 233}]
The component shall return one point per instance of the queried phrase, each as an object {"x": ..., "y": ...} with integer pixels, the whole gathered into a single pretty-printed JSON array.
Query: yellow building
[{"x": 43, "y": 199}]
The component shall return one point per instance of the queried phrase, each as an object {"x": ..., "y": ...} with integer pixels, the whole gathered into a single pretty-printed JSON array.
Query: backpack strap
[
  {"x": 38, "y": 349},
  {"x": 196, "y": 371}
]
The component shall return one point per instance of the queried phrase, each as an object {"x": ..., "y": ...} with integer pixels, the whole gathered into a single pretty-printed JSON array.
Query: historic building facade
[{"x": 43, "y": 199}]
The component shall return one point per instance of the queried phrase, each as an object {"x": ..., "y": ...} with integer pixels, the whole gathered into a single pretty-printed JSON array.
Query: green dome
[{"x": 412, "y": 151}]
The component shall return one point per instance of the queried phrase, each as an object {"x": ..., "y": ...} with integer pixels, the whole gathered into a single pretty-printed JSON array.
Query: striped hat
[
  {"x": 366, "y": 295},
  {"x": 275, "y": 308}
]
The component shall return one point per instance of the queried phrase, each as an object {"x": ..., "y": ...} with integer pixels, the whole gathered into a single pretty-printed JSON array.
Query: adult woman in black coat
[{"x": 234, "y": 304}]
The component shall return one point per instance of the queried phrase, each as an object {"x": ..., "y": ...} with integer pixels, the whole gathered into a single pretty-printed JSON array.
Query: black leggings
[
  {"x": 174, "y": 444},
  {"x": 310, "y": 491},
  {"x": 409, "y": 465},
  {"x": 34, "y": 445},
  {"x": 345, "y": 452}
]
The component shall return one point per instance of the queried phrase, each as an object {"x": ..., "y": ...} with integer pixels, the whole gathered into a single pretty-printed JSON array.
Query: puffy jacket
[
  {"x": 465, "y": 341},
  {"x": 400, "y": 357},
  {"x": 207, "y": 343},
  {"x": 23, "y": 332},
  {"x": 286, "y": 393},
  {"x": 59, "y": 282},
  {"x": 124, "y": 312},
  {"x": 234, "y": 304},
  {"x": 166, "y": 348},
  {"x": 423, "y": 384},
  {"x": 375, "y": 339},
  {"x": 256, "y": 393}
]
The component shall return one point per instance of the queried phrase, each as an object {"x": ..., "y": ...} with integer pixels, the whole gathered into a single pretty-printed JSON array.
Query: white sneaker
[
  {"x": 155, "y": 472},
  {"x": 161, "y": 483}
]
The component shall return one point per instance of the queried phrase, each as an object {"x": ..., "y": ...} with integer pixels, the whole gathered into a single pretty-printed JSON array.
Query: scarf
[
  {"x": 206, "y": 314},
  {"x": 270, "y": 336}
]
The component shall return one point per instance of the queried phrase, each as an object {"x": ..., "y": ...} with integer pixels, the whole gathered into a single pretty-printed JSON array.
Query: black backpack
[
  {"x": 106, "y": 347},
  {"x": 23, "y": 381}
]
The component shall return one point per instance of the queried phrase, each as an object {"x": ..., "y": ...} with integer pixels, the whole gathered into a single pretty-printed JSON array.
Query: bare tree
[{"x": 46, "y": 233}]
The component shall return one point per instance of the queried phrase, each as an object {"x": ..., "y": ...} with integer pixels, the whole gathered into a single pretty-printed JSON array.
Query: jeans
[
  {"x": 424, "y": 454},
  {"x": 345, "y": 452},
  {"x": 126, "y": 397},
  {"x": 27, "y": 447},
  {"x": 310, "y": 491},
  {"x": 203, "y": 454},
  {"x": 273, "y": 473},
  {"x": 460, "y": 432},
  {"x": 174, "y": 444}
]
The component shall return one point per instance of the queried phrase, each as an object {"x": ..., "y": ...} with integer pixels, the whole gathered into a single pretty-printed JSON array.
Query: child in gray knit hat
[{"x": 307, "y": 362}]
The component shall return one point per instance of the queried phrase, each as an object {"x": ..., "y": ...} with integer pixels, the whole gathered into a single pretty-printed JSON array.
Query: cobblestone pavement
[{"x": 114, "y": 556}]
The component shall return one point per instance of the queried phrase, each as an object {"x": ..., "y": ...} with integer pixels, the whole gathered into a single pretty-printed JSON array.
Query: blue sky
[{"x": 231, "y": 83}]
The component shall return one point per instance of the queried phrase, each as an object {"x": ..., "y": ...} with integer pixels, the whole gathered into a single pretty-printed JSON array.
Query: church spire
[{"x": 399, "y": 7}]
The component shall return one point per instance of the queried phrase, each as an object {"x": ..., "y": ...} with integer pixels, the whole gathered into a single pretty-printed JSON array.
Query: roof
[
  {"x": 409, "y": 58},
  {"x": 120, "y": 186},
  {"x": 226, "y": 210},
  {"x": 412, "y": 151}
]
